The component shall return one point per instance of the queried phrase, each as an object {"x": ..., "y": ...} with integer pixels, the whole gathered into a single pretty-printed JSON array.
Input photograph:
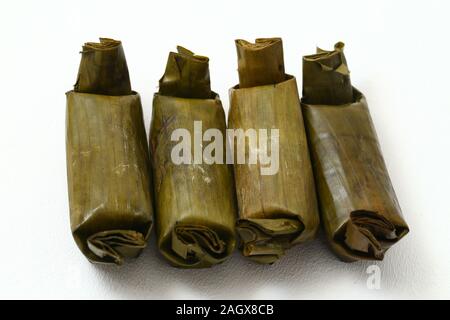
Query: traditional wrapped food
[
  {"x": 359, "y": 209},
  {"x": 277, "y": 208},
  {"x": 108, "y": 163},
  {"x": 195, "y": 201}
]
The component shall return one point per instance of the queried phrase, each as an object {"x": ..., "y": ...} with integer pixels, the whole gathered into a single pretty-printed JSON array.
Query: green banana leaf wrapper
[
  {"x": 195, "y": 202},
  {"x": 280, "y": 210},
  {"x": 359, "y": 209},
  {"x": 108, "y": 163}
]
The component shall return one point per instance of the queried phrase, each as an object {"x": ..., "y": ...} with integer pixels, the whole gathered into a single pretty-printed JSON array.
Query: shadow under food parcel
[{"x": 306, "y": 266}]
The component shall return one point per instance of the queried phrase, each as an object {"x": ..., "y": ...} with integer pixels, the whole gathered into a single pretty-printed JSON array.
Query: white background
[{"x": 397, "y": 52}]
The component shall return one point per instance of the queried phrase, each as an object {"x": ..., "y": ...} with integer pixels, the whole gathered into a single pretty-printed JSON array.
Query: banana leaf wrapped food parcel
[
  {"x": 359, "y": 208},
  {"x": 195, "y": 201},
  {"x": 108, "y": 167},
  {"x": 276, "y": 210}
]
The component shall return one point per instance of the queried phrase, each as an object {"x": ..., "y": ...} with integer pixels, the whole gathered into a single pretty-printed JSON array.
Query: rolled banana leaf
[
  {"x": 359, "y": 209},
  {"x": 108, "y": 163},
  {"x": 276, "y": 211},
  {"x": 195, "y": 201},
  {"x": 260, "y": 63}
]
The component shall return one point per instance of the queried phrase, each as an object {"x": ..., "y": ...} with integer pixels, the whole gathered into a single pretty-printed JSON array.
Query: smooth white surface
[{"x": 397, "y": 52}]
